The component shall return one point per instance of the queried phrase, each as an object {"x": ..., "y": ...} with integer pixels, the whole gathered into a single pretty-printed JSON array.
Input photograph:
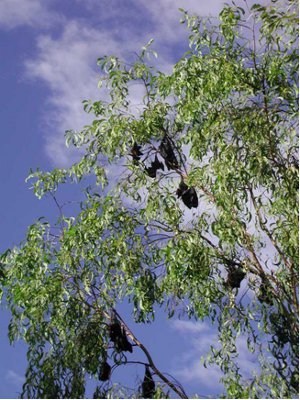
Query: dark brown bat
[
  {"x": 118, "y": 337},
  {"x": 124, "y": 344},
  {"x": 136, "y": 153},
  {"x": 148, "y": 385},
  {"x": 105, "y": 371},
  {"x": 188, "y": 195},
  {"x": 155, "y": 165},
  {"x": 167, "y": 152},
  {"x": 115, "y": 331},
  {"x": 235, "y": 277}
]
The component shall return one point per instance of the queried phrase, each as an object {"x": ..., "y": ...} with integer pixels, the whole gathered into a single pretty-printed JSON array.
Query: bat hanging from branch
[
  {"x": 148, "y": 385},
  {"x": 118, "y": 336},
  {"x": 235, "y": 277},
  {"x": 167, "y": 152},
  {"x": 105, "y": 371},
  {"x": 136, "y": 153},
  {"x": 188, "y": 195},
  {"x": 155, "y": 165}
]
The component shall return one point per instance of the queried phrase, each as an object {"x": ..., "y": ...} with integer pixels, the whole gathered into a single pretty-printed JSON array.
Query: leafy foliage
[{"x": 202, "y": 218}]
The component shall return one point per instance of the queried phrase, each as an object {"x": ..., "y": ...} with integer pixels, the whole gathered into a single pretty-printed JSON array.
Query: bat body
[
  {"x": 235, "y": 277},
  {"x": 148, "y": 385},
  {"x": 155, "y": 165},
  {"x": 118, "y": 337},
  {"x": 136, "y": 153},
  {"x": 105, "y": 371},
  {"x": 167, "y": 152},
  {"x": 188, "y": 195}
]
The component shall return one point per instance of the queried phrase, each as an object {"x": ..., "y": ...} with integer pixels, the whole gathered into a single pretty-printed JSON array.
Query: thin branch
[{"x": 60, "y": 211}]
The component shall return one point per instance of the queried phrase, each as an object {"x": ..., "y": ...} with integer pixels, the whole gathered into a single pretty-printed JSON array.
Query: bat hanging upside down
[
  {"x": 188, "y": 195},
  {"x": 155, "y": 165}
]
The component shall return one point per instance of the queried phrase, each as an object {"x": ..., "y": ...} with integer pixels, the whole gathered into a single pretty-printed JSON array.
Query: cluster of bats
[
  {"x": 121, "y": 343},
  {"x": 166, "y": 150},
  {"x": 118, "y": 336}
]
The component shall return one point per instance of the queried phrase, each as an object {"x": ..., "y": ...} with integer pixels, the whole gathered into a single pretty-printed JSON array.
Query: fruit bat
[
  {"x": 167, "y": 152},
  {"x": 188, "y": 195},
  {"x": 155, "y": 165},
  {"x": 235, "y": 277},
  {"x": 115, "y": 331},
  {"x": 148, "y": 385},
  {"x": 136, "y": 153},
  {"x": 105, "y": 371},
  {"x": 123, "y": 344},
  {"x": 118, "y": 337}
]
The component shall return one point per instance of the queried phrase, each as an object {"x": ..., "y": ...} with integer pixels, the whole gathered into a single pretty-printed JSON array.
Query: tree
[{"x": 202, "y": 217}]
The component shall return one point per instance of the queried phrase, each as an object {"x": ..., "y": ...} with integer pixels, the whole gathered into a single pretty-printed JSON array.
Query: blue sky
[{"x": 48, "y": 66}]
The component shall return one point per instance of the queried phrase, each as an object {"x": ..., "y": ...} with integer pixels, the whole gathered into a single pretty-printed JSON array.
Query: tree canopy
[{"x": 198, "y": 215}]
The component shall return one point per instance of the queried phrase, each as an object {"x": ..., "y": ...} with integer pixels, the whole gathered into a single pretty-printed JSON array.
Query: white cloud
[
  {"x": 14, "y": 13},
  {"x": 247, "y": 360},
  {"x": 166, "y": 13},
  {"x": 190, "y": 327},
  {"x": 200, "y": 337},
  {"x": 208, "y": 378},
  {"x": 14, "y": 378},
  {"x": 68, "y": 67},
  {"x": 158, "y": 19}
]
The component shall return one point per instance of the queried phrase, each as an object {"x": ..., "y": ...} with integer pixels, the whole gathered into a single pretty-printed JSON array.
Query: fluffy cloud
[
  {"x": 14, "y": 378},
  {"x": 67, "y": 66},
  {"x": 200, "y": 337},
  {"x": 165, "y": 14},
  {"x": 14, "y": 13},
  {"x": 191, "y": 327}
]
